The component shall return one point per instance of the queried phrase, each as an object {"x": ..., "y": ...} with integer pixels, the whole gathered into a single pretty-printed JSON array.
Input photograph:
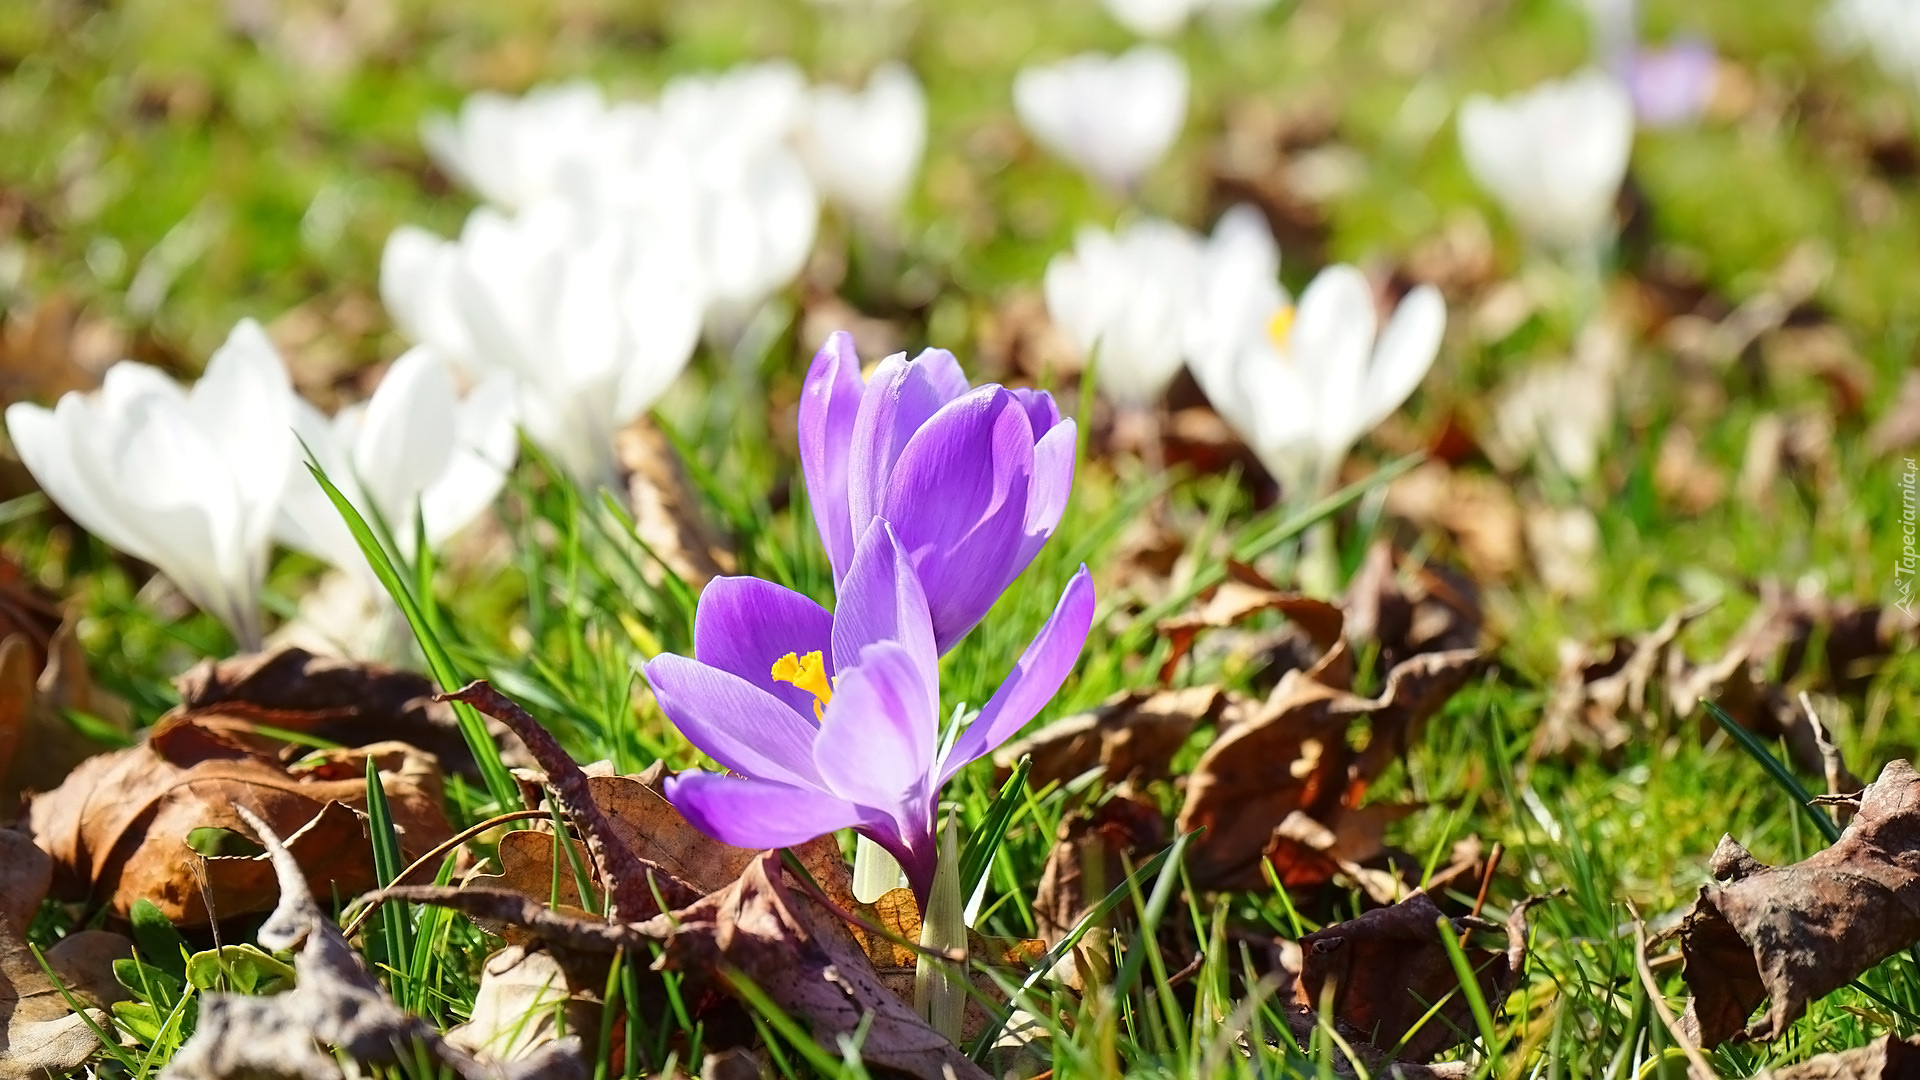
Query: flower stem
[{"x": 939, "y": 987}]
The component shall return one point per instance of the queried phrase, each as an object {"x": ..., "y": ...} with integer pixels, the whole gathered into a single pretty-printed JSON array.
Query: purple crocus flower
[
  {"x": 833, "y": 721},
  {"x": 1671, "y": 86},
  {"x": 974, "y": 479}
]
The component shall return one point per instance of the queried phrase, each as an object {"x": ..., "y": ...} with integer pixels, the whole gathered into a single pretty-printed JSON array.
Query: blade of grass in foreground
[
  {"x": 1787, "y": 781},
  {"x": 499, "y": 782}
]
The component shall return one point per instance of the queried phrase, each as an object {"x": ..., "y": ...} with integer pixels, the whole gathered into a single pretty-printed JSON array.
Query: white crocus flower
[
  {"x": 189, "y": 480},
  {"x": 1889, "y": 29},
  {"x": 1161, "y": 18},
  {"x": 1301, "y": 386},
  {"x": 863, "y": 148},
  {"x": 516, "y": 151},
  {"x": 592, "y": 320},
  {"x": 415, "y": 448},
  {"x": 1554, "y": 156},
  {"x": 1112, "y": 117},
  {"x": 1124, "y": 300}
]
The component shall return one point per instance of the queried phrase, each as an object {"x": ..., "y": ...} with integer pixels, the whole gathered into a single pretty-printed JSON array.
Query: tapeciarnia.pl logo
[{"x": 1903, "y": 567}]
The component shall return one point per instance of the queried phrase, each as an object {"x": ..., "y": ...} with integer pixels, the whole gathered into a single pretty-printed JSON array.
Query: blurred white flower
[
  {"x": 189, "y": 480},
  {"x": 1302, "y": 386},
  {"x": 1160, "y": 18},
  {"x": 1112, "y": 117},
  {"x": 1554, "y": 156},
  {"x": 1889, "y": 29},
  {"x": 415, "y": 447},
  {"x": 592, "y": 320},
  {"x": 1124, "y": 300},
  {"x": 863, "y": 148},
  {"x": 516, "y": 151}
]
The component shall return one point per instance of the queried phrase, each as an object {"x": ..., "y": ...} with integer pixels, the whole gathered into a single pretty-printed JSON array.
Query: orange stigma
[{"x": 809, "y": 673}]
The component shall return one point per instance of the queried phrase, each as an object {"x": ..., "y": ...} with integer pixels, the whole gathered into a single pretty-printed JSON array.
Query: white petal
[
  {"x": 1405, "y": 351},
  {"x": 1331, "y": 344},
  {"x": 483, "y": 451},
  {"x": 406, "y": 437}
]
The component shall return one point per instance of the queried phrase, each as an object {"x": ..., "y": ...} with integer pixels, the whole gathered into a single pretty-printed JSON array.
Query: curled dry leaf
[
  {"x": 1792, "y": 934},
  {"x": 667, "y": 513},
  {"x": 1386, "y": 969},
  {"x": 1244, "y": 594},
  {"x": 802, "y": 957},
  {"x": 1133, "y": 734},
  {"x": 335, "y": 1007},
  {"x": 1885, "y": 1058},
  {"x": 43, "y": 675},
  {"x": 526, "y": 1003},
  {"x": 1089, "y": 858},
  {"x": 39, "y": 1035},
  {"x": 1596, "y": 692},
  {"x": 1407, "y": 609},
  {"x": 1294, "y": 753},
  {"x": 344, "y": 701},
  {"x": 119, "y": 827}
]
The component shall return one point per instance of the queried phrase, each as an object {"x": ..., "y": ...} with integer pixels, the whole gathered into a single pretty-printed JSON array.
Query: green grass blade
[{"x": 1788, "y": 782}]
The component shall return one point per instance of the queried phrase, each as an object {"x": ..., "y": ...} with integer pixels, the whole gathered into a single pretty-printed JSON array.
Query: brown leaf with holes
[
  {"x": 1885, "y": 1058},
  {"x": 344, "y": 701},
  {"x": 1295, "y": 753},
  {"x": 1792, "y": 934},
  {"x": 1386, "y": 969},
  {"x": 39, "y": 1035},
  {"x": 667, "y": 511},
  {"x": 1134, "y": 734},
  {"x": 119, "y": 826},
  {"x": 802, "y": 958}
]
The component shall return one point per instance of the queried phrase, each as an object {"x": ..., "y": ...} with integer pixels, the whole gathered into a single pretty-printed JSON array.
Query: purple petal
[
  {"x": 1673, "y": 85},
  {"x": 958, "y": 503},
  {"x": 877, "y": 741},
  {"x": 1052, "y": 486},
  {"x": 829, "y": 403},
  {"x": 882, "y": 601},
  {"x": 1035, "y": 678},
  {"x": 901, "y": 396},
  {"x": 1042, "y": 412},
  {"x": 758, "y": 813},
  {"x": 733, "y": 721},
  {"x": 744, "y": 624}
]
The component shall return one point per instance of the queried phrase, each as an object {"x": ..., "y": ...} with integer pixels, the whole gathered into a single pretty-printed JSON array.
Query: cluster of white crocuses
[
  {"x": 201, "y": 481},
  {"x": 1111, "y": 117},
  {"x": 1301, "y": 384},
  {"x": 1554, "y": 157},
  {"x": 617, "y": 231}
]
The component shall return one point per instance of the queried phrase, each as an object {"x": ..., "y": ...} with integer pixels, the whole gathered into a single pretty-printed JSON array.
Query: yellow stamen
[
  {"x": 809, "y": 673},
  {"x": 1280, "y": 327}
]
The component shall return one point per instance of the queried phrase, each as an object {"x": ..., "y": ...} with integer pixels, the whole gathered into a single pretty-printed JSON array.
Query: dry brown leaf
[
  {"x": 53, "y": 348},
  {"x": 1885, "y": 1058},
  {"x": 39, "y": 682},
  {"x": 1387, "y": 968},
  {"x": 1294, "y": 754},
  {"x": 1408, "y": 609},
  {"x": 1244, "y": 594},
  {"x": 524, "y": 1004},
  {"x": 1476, "y": 510},
  {"x": 345, "y": 701},
  {"x": 802, "y": 958},
  {"x": 1793, "y": 934},
  {"x": 1683, "y": 477},
  {"x": 667, "y": 514},
  {"x": 118, "y": 827},
  {"x": 1133, "y": 734},
  {"x": 335, "y": 1007},
  {"x": 39, "y": 1035},
  {"x": 1899, "y": 427},
  {"x": 1089, "y": 858},
  {"x": 1596, "y": 695}
]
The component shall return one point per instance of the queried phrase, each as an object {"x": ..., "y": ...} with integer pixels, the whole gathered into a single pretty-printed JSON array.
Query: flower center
[
  {"x": 1280, "y": 327},
  {"x": 809, "y": 673}
]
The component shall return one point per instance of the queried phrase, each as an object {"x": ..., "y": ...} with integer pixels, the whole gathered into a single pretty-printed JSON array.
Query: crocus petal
[
  {"x": 1331, "y": 343},
  {"x": 243, "y": 407},
  {"x": 752, "y": 813},
  {"x": 829, "y": 404},
  {"x": 1405, "y": 351},
  {"x": 901, "y": 397},
  {"x": 1035, "y": 678},
  {"x": 485, "y": 447},
  {"x": 1052, "y": 486},
  {"x": 40, "y": 439},
  {"x": 406, "y": 436},
  {"x": 744, "y": 625},
  {"x": 734, "y": 722},
  {"x": 882, "y": 600},
  {"x": 876, "y": 744},
  {"x": 958, "y": 500}
]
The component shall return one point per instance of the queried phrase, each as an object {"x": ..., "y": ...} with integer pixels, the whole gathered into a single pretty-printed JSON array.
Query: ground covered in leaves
[{"x": 1553, "y": 781}]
